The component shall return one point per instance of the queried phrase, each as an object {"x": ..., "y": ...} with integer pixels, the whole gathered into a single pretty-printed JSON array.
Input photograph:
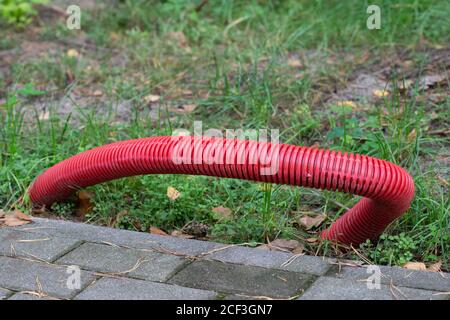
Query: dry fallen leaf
[
  {"x": 415, "y": 266},
  {"x": 412, "y": 135},
  {"x": 312, "y": 240},
  {"x": 181, "y": 234},
  {"x": 380, "y": 93},
  {"x": 295, "y": 63},
  {"x": 155, "y": 230},
  {"x": 151, "y": 98},
  {"x": 17, "y": 218},
  {"x": 309, "y": 222},
  {"x": 20, "y": 215},
  {"x": 173, "y": 193},
  {"x": 435, "y": 267},
  {"x": 223, "y": 212},
  {"x": 97, "y": 93},
  {"x": 284, "y": 244},
  {"x": 84, "y": 204},
  {"x": 72, "y": 53}
]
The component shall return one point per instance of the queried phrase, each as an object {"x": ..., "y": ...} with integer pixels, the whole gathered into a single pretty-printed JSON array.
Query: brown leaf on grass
[
  {"x": 415, "y": 266},
  {"x": 84, "y": 203},
  {"x": 173, "y": 193},
  {"x": 435, "y": 267},
  {"x": 264, "y": 247},
  {"x": 155, "y": 230},
  {"x": 17, "y": 218},
  {"x": 309, "y": 222},
  {"x": 286, "y": 245},
  {"x": 223, "y": 212}
]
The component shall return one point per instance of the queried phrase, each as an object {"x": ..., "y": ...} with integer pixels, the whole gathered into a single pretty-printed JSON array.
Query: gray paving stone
[
  {"x": 25, "y": 244},
  {"x": 327, "y": 288},
  {"x": 138, "y": 240},
  {"x": 240, "y": 279},
  {"x": 272, "y": 259},
  {"x": 399, "y": 277},
  {"x": 111, "y": 259},
  {"x": 309, "y": 264},
  {"x": 22, "y": 275},
  {"x": 4, "y": 293},
  {"x": 250, "y": 256},
  {"x": 131, "y": 289}
]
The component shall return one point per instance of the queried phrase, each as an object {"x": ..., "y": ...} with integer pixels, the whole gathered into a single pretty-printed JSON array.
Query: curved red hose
[{"x": 387, "y": 189}]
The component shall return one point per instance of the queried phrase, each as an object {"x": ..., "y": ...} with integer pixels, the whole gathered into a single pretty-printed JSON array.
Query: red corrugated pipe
[{"x": 386, "y": 188}]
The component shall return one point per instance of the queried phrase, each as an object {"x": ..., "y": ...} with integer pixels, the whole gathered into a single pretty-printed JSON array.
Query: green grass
[{"x": 234, "y": 64}]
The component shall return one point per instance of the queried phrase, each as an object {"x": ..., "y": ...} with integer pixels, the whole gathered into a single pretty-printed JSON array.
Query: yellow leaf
[
  {"x": 72, "y": 53},
  {"x": 380, "y": 93},
  {"x": 346, "y": 103},
  {"x": 173, "y": 193},
  {"x": 415, "y": 266}
]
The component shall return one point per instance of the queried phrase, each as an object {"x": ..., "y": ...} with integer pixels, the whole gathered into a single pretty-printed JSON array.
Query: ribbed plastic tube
[{"x": 386, "y": 188}]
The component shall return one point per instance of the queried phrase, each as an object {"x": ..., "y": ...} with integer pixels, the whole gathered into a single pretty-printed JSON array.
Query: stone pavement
[{"x": 55, "y": 259}]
